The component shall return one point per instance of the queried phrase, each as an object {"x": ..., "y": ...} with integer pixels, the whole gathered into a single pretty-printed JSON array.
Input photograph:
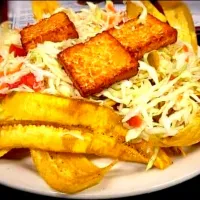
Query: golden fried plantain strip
[
  {"x": 178, "y": 15},
  {"x": 101, "y": 120},
  {"x": 188, "y": 136},
  {"x": 133, "y": 10},
  {"x": 68, "y": 173},
  {"x": 76, "y": 140},
  {"x": 67, "y": 111},
  {"x": 42, "y": 137},
  {"x": 147, "y": 150},
  {"x": 39, "y": 8}
]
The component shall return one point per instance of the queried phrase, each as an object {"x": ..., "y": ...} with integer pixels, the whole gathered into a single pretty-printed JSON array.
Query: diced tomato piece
[
  {"x": 187, "y": 59},
  {"x": 1, "y": 59},
  {"x": 185, "y": 48},
  {"x": 18, "y": 50},
  {"x": 172, "y": 77},
  {"x": 2, "y": 96},
  {"x": 28, "y": 80},
  {"x": 135, "y": 121},
  {"x": 14, "y": 85},
  {"x": 2, "y": 86}
]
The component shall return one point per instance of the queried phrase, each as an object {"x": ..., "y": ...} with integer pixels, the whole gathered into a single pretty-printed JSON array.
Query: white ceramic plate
[{"x": 125, "y": 179}]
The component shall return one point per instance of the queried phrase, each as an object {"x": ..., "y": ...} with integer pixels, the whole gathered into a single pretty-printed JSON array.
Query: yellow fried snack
[
  {"x": 50, "y": 108},
  {"x": 178, "y": 15},
  {"x": 106, "y": 130},
  {"x": 188, "y": 136},
  {"x": 75, "y": 140},
  {"x": 68, "y": 173},
  {"x": 146, "y": 149},
  {"x": 39, "y": 8},
  {"x": 133, "y": 10}
]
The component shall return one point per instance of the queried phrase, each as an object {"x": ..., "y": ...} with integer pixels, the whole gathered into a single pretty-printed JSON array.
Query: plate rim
[{"x": 59, "y": 195}]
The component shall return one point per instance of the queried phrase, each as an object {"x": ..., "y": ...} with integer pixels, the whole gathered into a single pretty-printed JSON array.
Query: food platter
[
  {"x": 86, "y": 128},
  {"x": 125, "y": 179}
]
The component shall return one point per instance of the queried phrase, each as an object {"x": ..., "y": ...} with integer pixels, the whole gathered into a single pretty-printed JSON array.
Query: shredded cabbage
[
  {"x": 166, "y": 97},
  {"x": 153, "y": 158}
]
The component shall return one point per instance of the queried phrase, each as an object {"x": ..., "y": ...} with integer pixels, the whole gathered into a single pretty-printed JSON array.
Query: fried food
[
  {"x": 188, "y": 136},
  {"x": 75, "y": 140},
  {"x": 100, "y": 128},
  {"x": 63, "y": 111},
  {"x": 39, "y": 8},
  {"x": 97, "y": 64},
  {"x": 133, "y": 10},
  {"x": 177, "y": 12},
  {"x": 68, "y": 173},
  {"x": 139, "y": 39},
  {"x": 3, "y": 152},
  {"x": 56, "y": 28}
]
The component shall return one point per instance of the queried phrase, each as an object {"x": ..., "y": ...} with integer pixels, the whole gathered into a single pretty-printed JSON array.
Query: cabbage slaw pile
[{"x": 165, "y": 96}]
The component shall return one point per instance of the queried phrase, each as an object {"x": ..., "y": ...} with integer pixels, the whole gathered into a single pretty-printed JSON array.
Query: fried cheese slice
[
  {"x": 56, "y": 28},
  {"x": 97, "y": 64},
  {"x": 75, "y": 140},
  {"x": 139, "y": 39}
]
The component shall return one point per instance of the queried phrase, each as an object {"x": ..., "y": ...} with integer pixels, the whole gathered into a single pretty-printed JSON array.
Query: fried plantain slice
[
  {"x": 66, "y": 111},
  {"x": 74, "y": 140},
  {"x": 102, "y": 121},
  {"x": 68, "y": 173},
  {"x": 133, "y": 10},
  {"x": 188, "y": 136},
  {"x": 40, "y": 8},
  {"x": 179, "y": 16}
]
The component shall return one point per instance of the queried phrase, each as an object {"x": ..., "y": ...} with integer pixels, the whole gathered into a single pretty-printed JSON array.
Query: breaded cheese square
[
  {"x": 139, "y": 39},
  {"x": 97, "y": 64},
  {"x": 56, "y": 28}
]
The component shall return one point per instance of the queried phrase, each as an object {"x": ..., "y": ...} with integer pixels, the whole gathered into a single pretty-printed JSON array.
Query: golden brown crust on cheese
[
  {"x": 139, "y": 39},
  {"x": 97, "y": 64},
  {"x": 56, "y": 28}
]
